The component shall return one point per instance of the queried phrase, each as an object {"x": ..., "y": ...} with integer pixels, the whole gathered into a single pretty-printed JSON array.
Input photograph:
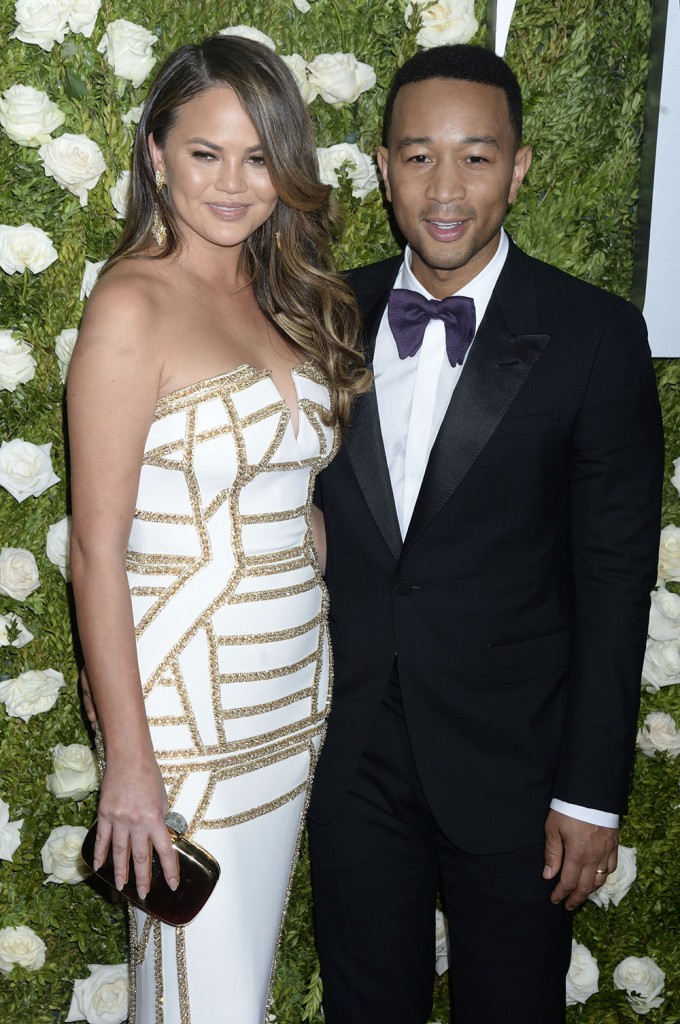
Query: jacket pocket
[{"x": 529, "y": 659}]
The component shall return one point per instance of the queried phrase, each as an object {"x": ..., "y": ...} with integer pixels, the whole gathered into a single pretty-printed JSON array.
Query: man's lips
[{"x": 445, "y": 230}]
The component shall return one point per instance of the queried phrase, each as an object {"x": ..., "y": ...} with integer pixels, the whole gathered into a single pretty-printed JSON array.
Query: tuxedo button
[{"x": 403, "y": 589}]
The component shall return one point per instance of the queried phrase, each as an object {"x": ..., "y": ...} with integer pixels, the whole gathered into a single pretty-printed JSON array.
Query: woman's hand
[{"x": 132, "y": 806}]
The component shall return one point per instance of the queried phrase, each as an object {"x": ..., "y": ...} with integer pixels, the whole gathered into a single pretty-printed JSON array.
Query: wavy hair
[{"x": 288, "y": 257}]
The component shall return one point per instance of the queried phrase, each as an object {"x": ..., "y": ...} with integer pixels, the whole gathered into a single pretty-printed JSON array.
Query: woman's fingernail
[
  {"x": 96, "y": 864},
  {"x": 142, "y": 893},
  {"x": 173, "y": 883},
  {"x": 119, "y": 883}
]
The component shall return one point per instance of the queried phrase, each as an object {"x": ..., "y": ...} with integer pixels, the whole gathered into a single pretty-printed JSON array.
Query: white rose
[
  {"x": 619, "y": 882},
  {"x": 103, "y": 997},
  {"x": 90, "y": 275},
  {"x": 133, "y": 115},
  {"x": 247, "y": 32},
  {"x": 441, "y": 943},
  {"x": 128, "y": 50},
  {"x": 359, "y": 167},
  {"x": 75, "y": 772},
  {"x": 661, "y": 666},
  {"x": 12, "y": 626},
  {"x": 26, "y": 468},
  {"x": 643, "y": 980},
  {"x": 669, "y": 554},
  {"x": 443, "y": 22},
  {"x": 298, "y": 66},
  {"x": 75, "y": 162},
  {"x": 83, "y": 15},
  {"x": 31, "y": 693},
  {"x": 61, "y": 855},
  {"x": 28, "y": 116},
  {"x": 43, "y": 22},
  {"x": 664, "y": 615},
  {"x": 10, "y": 836},
  {"x": 25, "y": 247},
  {"x": 19, "y": 575},
  {"x": 120, "y": 194},
  {"x": 583, "y": 974},
  {"x": 17, "y": 365},
  {"x": 340, "y": 77},
  {"x": 21, "y": 946},
  {"x": 659, "y": 732},
  {"x": 64, "y": 344},
  {"x": 58, "y": 546}
]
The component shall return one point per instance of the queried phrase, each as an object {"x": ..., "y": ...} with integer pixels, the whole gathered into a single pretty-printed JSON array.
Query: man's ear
[
  {"x": 523, "y": 158},
  {"x": 383, "y": 161}
]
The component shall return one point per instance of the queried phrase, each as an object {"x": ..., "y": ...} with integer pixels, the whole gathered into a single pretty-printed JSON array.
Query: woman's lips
[{"x": 228, "y": 211}]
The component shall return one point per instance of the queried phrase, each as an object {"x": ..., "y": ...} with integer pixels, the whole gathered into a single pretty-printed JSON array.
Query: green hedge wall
[{"x": 583, "y": 66}]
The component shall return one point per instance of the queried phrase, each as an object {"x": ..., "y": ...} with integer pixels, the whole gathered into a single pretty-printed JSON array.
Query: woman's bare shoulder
[
  {"x": 122, "y": 326},
  {"x": 128, "y": 297}
]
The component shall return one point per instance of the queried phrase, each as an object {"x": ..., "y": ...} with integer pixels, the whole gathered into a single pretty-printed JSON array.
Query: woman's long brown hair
[{"x": 288, "y": 257}]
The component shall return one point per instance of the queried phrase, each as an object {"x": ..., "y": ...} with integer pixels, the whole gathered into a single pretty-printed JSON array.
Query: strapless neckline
[{"x": 259, "y": 373}]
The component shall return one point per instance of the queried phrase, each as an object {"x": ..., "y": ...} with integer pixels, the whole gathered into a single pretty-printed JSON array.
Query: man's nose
[{"x": 445, "y": 182}]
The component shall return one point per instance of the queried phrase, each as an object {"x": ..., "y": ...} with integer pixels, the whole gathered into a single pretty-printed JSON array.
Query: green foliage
[{"x": 582, "y": 65}]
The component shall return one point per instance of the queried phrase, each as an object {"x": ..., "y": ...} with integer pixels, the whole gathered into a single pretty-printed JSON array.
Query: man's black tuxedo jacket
[{"x": 517, "y": 604}]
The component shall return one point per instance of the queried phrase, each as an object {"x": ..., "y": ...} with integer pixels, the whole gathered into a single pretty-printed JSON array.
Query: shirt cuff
[{"x": 589, "y": 814}]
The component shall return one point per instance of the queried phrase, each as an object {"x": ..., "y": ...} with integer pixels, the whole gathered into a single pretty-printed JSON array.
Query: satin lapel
[
  {"x": 495, "y": 370},
  {"x": 364, "y": 443}
]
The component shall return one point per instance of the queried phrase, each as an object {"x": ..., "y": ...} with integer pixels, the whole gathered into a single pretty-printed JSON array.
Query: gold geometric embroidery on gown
[{"x": 230, "y": 619}]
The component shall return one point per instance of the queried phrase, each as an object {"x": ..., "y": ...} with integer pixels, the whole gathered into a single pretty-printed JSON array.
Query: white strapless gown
[{"x": 230, "y": 617}]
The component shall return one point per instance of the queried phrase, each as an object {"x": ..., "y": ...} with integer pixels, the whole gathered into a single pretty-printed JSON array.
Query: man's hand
[{"x": 575, "y": 850}]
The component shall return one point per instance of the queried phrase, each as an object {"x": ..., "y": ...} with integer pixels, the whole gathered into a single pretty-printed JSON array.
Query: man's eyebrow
[
  {"x": 411, "y": 140},
  {"x": 468, "y": 140},
  {"x": 481, "y": 140}
]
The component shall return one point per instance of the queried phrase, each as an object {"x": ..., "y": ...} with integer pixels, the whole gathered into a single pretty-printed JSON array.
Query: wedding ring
[{"x": 601, "y": 871}]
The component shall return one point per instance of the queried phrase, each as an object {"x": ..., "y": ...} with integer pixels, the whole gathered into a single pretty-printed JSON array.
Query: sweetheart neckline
[{"x": 261, "y": 373}]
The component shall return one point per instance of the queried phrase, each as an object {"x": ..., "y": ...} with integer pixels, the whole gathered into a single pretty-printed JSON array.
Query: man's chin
[{"x": 441, "y": 259}]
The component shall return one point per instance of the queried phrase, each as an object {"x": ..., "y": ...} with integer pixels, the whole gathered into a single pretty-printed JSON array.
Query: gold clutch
[{"x": 198, "y": 875}]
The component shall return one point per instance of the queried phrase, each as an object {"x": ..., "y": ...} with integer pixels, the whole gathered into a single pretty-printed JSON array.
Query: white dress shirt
[{"x": 413, "y": 395}]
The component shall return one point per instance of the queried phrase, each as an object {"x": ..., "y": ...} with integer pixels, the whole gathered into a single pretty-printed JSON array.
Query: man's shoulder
[
  {"x": 370, "y": 280},
  {"x": 563, "y": 288}
]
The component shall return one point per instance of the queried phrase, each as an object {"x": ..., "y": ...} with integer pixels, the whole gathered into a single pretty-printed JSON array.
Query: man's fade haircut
[{"x": 465, "y": 63}]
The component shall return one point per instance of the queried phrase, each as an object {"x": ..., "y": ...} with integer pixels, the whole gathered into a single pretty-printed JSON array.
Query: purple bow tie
[{"x": 409, "y": 313}]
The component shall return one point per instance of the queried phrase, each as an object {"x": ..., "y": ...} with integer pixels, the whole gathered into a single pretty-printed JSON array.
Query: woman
[{"x": 213, "y": 370}]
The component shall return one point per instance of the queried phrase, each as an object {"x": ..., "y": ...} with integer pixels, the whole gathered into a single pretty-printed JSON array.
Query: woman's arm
[{"x": 113, "y": 387}]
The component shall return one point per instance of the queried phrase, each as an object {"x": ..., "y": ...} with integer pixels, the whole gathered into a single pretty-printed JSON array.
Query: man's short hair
[{"x": 465, "y": 63}]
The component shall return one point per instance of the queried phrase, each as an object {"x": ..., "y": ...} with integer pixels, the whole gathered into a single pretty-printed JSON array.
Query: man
[{"x": 492, "y": 524}]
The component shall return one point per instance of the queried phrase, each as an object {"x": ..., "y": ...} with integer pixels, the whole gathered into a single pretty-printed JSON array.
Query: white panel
[
  {"x": 662, "y": 294},
  {"x": 504, "y": 11}
]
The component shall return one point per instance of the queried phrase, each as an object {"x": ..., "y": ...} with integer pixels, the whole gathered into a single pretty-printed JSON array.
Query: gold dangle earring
[
  {"x": 277, "y": 235},
  {"x": 158, "y": 228}
]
